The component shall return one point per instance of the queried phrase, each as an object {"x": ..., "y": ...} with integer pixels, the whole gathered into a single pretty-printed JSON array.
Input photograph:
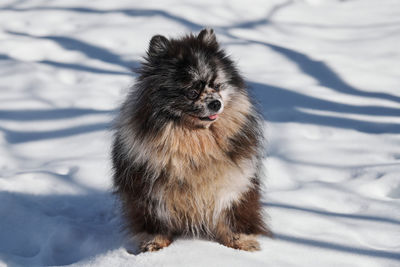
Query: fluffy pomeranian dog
[{"x": 187, "y": 148}]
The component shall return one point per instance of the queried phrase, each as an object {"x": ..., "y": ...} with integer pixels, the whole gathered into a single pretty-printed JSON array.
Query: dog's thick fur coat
[{"x": 177, "y": 170}]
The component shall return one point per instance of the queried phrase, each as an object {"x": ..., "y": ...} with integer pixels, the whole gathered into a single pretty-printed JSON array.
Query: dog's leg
[
  {"x": 246, "y": 216},
  {"x": 153, "y": 242}
]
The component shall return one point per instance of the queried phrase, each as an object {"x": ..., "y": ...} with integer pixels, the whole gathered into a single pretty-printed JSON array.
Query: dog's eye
[
  {"x": 192, "y": 94},
  {"x": 217, "y": 87}
]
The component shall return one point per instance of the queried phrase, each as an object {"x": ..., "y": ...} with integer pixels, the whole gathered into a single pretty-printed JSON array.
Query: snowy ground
[{"x": 326, "y": 73}]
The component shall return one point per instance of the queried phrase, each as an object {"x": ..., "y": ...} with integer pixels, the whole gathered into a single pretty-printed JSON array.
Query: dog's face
[{"x": 193, "y": 78}]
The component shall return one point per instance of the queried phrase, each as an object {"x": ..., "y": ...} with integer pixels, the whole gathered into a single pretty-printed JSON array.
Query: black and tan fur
[{"x": 178, "y": 172}]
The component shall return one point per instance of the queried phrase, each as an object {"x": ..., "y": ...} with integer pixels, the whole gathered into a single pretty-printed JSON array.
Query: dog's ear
[
  {"x": 208, "y": 36},
  {"x": 158, "y": 45}
]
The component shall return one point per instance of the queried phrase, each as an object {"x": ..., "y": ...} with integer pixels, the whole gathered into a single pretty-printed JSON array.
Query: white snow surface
[{"x": 325, "y": 72}]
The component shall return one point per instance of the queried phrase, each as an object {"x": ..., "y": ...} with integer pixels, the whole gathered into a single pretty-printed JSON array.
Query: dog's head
[{"x": 190, "y": 79}]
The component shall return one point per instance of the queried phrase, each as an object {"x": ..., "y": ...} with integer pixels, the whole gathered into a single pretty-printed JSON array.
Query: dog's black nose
[{"x": 214, "y": 105}]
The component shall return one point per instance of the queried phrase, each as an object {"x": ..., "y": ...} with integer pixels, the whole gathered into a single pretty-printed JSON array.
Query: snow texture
[{"x": 325, "y": 72}]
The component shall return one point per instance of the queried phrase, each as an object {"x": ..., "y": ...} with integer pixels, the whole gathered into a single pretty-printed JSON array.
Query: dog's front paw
[
  {"x": 151, "y": 246},
  {"x": 155, "y": 244},
  {"x": 247, "y": 242},
  {"x": 244, "y": 242}
]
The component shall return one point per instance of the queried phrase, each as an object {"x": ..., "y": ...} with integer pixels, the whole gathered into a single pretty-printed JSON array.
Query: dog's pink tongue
[{"x": 213, "y": 117}]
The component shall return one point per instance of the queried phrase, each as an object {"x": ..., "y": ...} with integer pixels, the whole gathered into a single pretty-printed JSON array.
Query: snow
[{"x": 326, "y": 74}]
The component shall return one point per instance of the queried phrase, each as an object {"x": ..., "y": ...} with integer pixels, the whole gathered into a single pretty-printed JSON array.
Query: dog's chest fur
[{"x": 200, "y": 181}]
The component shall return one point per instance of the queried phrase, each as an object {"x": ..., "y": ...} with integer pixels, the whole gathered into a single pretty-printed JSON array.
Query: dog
[{"x": 188, "y": 146}]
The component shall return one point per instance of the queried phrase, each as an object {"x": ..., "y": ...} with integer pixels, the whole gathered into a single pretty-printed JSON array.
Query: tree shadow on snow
[
  {"x": 133, "y": 12},
  {"x": 89, "y": 50},
  {"x": 57, "y": 229},
  {"x": 334, "y": 214},
  {"x": 16, "y": 136},
  {"x": 282, "y": 105},
  {"x": 323, "y": 74},
  {"x": 51, "y": 114},
  {"x": 393, "y": 255}
]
